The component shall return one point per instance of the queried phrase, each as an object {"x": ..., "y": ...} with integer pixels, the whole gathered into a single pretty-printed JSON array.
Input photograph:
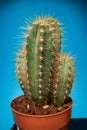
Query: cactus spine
[{"x": 42, "y": 71}]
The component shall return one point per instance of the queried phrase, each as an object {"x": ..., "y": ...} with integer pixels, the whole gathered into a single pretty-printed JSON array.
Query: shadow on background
[
  {"x": 78, "y": 124},
  {"x": 75, "y": 124}
]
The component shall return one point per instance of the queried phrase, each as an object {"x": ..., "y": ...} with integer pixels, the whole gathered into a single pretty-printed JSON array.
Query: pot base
[{"x": 64, "y": 128}]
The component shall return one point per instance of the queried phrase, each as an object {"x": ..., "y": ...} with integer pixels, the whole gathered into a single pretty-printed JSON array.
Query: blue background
[{"x": 73, "y": 15}]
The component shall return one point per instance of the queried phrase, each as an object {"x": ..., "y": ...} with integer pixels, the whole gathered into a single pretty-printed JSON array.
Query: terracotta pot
[{"x": 58, "y": 121}]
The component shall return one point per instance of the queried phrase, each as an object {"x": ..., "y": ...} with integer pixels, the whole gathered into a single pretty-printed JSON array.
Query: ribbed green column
[
  {"x": 64, "y": 80},
  {"x": 44, "y": 74}
]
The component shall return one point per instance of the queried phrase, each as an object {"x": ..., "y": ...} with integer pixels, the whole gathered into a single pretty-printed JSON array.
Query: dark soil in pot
[{"x": 22, "y": 104}]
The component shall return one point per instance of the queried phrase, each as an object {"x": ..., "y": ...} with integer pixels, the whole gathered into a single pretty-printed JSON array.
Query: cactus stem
[{"x": 40, "y": 71}]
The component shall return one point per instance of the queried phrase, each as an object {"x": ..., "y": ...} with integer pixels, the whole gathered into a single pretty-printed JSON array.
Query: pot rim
[{"x": 40, "y": 116}]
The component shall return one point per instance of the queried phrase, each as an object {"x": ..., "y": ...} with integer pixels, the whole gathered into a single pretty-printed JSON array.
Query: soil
[{"x": 23, "y": 105}]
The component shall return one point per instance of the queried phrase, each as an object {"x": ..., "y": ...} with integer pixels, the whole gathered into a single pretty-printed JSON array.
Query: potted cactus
[{"x": 45, "y": 75}]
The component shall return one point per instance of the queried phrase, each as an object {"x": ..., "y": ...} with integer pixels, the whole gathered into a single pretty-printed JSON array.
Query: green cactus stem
[
  {"x": 21, "y": 70},
  {"x": 44, "y": 74},
  {"x": 43, "y": 40},
  {"x": 64, "y": 79}
]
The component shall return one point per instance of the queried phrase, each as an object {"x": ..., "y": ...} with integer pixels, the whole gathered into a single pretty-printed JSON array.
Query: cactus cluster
[{"x": 45, "y": 74}]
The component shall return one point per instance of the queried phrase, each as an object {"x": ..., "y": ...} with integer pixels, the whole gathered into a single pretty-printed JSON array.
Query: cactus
[
  {"x": 44, "y": 73},
  {"x": 64, "y": 80}
]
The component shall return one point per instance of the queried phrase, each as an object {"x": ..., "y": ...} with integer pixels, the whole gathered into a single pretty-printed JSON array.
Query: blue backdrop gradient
[{"x": 73, "y": 14}]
